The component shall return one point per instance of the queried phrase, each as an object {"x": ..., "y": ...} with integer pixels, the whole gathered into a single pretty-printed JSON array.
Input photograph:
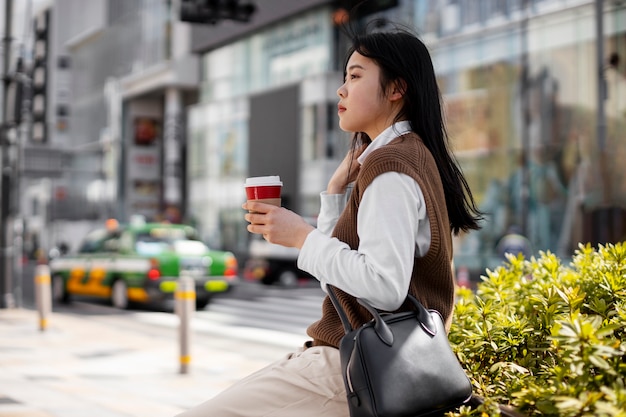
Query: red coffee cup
[{"x": 264, "y": 189}]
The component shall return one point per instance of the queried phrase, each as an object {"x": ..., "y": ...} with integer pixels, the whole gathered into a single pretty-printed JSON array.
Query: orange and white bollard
[
  {"x": 185, "y": 298},
  {"x": 43, "y": 295}
]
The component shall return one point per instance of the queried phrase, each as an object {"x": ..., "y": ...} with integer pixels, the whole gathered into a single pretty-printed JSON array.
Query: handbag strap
[
  {"x": 342, "y": 314},
  {"x": 423, "y": 316}
]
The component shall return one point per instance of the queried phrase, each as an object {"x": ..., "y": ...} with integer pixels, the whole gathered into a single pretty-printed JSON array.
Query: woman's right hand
[{"x": 346, "y": 172}]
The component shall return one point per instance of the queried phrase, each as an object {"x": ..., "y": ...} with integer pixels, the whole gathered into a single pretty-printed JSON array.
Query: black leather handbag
[{"x": 400, "y": 364}]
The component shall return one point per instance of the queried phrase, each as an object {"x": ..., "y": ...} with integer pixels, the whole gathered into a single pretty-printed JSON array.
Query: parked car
[
  {"x": 141, "y": 263},
  {"x": 272, "y": 264}
]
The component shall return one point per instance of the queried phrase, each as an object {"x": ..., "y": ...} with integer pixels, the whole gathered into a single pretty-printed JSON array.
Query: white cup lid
[{"x": 268, "y": 180}]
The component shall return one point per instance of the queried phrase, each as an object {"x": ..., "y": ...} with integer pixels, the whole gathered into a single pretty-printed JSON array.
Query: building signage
[{"x": 143, "y": 168}]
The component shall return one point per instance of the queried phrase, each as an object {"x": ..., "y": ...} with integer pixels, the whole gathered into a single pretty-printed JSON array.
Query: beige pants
[{"x": 306, "y": 383}]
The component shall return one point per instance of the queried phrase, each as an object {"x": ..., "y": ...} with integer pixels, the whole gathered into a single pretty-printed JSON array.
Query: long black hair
[{"x": 403, "y": 57}]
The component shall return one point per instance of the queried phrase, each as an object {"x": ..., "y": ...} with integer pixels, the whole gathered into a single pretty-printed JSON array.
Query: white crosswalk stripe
[
  {"x": 290, "y": 311},
  {"x": 272, "y": 316}
]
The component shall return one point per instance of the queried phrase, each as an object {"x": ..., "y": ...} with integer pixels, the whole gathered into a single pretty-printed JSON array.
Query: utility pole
[
  {"x": 602, "y": 95},
  {"x": 525, "y": 156},
  {"x": 601, "y": 76},
  {"x": 6, "y": 229}
]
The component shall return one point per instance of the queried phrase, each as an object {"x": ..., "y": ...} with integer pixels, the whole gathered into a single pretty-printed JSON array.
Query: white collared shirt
[{"x": 392, "y": 225}]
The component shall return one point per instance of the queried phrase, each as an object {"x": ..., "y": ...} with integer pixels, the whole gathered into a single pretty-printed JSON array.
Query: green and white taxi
[{"x": 141, "y": 263}]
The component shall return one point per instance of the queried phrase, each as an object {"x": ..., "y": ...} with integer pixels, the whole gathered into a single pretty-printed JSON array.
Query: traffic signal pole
[{"x": 6, "y": 230}]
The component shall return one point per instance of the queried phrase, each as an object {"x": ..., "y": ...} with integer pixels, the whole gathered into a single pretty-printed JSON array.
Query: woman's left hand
[{"x": 277, "y": 224}]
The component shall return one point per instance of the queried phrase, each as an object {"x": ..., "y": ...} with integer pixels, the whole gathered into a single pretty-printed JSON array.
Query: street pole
[
  {"x": 602, "y": 95},
  {"x": 525, "y": 134},
  {"x": 6, "y": 230}
]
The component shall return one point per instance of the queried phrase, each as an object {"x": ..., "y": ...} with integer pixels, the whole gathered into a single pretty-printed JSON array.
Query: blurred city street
[
  {"x": 128, "y": 129},
  {"x": 94, "y": 360}
]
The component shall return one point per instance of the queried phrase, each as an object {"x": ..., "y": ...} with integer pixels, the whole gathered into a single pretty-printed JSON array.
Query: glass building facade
[
  {"x": 292, "y": 54},
  {"x": 520, "y": 85},
  {"x": 519, "y": 79}
]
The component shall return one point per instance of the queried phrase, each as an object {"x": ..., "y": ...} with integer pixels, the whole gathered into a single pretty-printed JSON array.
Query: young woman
[{"x": 391, "y": 236}]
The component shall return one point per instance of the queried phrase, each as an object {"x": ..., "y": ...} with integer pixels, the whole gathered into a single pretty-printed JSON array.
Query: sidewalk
[{"x": 110, "y": 366}]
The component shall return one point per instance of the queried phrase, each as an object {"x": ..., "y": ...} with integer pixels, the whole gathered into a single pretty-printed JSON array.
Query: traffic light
[
  {"x": 39, "y": 77},
  {"x": 18, "y": 80},
  {"x": 15, "y": 95},
  {"x": 214, "y": 11}
]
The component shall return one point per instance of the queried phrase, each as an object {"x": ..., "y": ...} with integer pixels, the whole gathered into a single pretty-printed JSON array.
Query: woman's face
[{"x": 362, "y": 106}]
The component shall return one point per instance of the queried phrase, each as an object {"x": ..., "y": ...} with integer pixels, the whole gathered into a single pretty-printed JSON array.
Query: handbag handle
[
  {"x": 342, "y": 314},
  {"x": 382, "y": 329}
]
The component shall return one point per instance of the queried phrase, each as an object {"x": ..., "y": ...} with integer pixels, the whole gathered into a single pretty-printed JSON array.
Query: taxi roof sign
[{"x": 111, "y": 224}]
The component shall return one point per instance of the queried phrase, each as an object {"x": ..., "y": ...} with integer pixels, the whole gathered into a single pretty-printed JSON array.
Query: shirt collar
[{"x": 386, "y": 136}]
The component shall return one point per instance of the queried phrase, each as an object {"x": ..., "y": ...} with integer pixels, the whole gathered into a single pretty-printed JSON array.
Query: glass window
[
  {"x": 93, "y": 241},
  {"x": 544, "y": 173},
  {"x": 427, "y": 17},
  {"x": 471, "y": 12},
  {"x": 157, "y": 241},
  {"x": 281, "y": 54},
  {"x": 190, "y": 247},
  {"x": 111, "y": 242}
]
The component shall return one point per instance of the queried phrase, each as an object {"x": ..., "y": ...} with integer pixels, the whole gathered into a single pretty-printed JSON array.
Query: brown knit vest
[{"x": 432, "y": 281}]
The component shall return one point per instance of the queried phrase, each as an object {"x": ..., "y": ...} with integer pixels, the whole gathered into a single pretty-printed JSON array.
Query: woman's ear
[{"x": 398, "y": 89}]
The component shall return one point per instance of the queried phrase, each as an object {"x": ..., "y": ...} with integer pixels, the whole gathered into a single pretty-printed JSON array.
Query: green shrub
[{"x": 546, "y": 338}]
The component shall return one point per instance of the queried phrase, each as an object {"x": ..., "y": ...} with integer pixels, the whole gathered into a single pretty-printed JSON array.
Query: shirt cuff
[
  {"x": 310, "y": 251},
  {"x": 331, "y": 207}
]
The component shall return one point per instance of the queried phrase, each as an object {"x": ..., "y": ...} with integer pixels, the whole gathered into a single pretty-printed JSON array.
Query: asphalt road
[{"x": 251, "y": 305}]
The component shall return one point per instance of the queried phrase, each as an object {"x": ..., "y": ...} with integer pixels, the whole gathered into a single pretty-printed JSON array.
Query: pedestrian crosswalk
[
  {"x": 283, "y": 310},
  {"x": 252, "y": 313}
]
